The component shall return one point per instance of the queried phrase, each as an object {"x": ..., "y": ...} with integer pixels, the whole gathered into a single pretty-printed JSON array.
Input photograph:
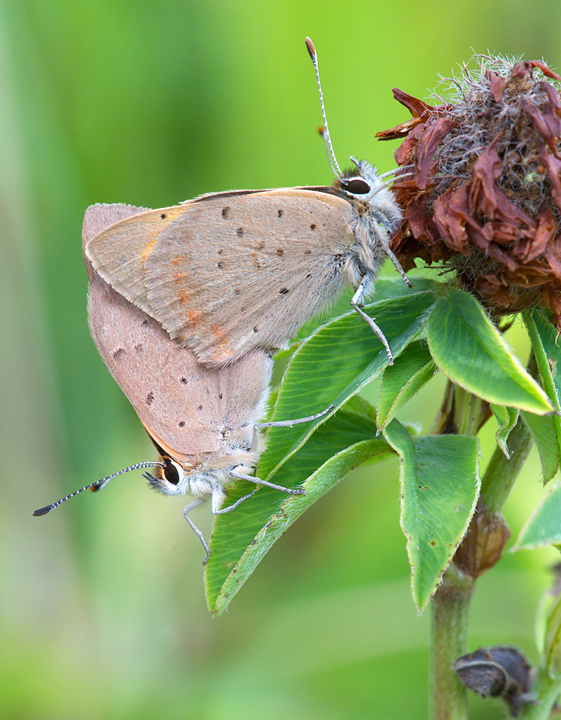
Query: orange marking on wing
[
  {"x": 222, "y": 344},
  {"x": 148, "y": 249}
]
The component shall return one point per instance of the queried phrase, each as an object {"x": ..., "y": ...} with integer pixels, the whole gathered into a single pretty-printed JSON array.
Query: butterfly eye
[
  {"x": 357, "y": 186},
  {"x": 170, "y": 471}
]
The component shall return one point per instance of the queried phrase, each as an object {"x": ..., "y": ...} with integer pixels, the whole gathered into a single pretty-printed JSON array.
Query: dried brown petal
[
  {"x": 426, "y": 149},
  {"x": 497, "y": 86},
  {"x": 553, "y": 166},
  {"x": 418, "y": 109},
  {"x": 485, "y": 197}
]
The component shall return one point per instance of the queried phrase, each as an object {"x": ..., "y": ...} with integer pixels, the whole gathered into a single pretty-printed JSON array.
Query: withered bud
[
  {"x": 485, "y": 194},
  {"x": 498, "y": 671},
  {"x": 483, "y": 544}
]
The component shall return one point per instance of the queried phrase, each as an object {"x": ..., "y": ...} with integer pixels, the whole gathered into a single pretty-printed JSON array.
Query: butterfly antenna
[
  {"x": 325, "y": 134},
  {"x": 97, "y": 485}
]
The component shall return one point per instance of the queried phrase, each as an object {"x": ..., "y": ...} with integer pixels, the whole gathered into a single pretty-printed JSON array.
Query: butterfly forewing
[
  {"x": 226, "y": 278},
  {"x": 118, "y": 252}
]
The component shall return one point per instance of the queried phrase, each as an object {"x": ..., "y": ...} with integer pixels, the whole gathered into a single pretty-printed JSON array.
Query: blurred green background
[{"x": 102, "y": 612}]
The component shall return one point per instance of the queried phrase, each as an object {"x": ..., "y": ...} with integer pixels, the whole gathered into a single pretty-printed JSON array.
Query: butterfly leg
[
  {"x": 290, "y": 423},
  {"x": 194, "y": 528},
  {"x": 397, "y": 265},
  {"x": 221, "y": 511},
  {"x": 285, "y": 423},
  {"x": 242, "y": 476},
  {"x": 356, "y": 304},
  {"x": 383, "y": 238}
]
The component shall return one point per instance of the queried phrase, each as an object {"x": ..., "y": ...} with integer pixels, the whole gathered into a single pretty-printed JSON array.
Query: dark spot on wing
[
  {"x": 181, "y": 423},
  {"x": 139, "y": 348},
  {"x": 237, "y": 291},
  {"x": 280, "y": 252},
  {"x": 280, "y": 213},
  {"x": 307, "y": 252},
  {"x": 220, "y": 265},
  {"x": 225, "y": 212},
  {"x": 183, "y": 380},
  {"x": 313, "y": 226},
  {"x": 200, "y": 407},
  {"x": 118, "y": 353},
  {"x": 150, "y": 398},
  {"x": 309, "y": 275},
  {"x": 284, "y": 291},
  {"x": 239, "y": 232},
  {"x": 256, "y": 329},
  {"x": 163, "y": 216},
  {"x": 145, "y": 322},
  {"x": 243, "y": 309},
  {"x": 220, "y": 252},
  {"x": 220, "y": 396}
]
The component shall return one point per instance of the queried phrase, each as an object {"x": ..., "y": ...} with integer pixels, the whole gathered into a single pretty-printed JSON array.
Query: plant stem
[
  {"x": 547, "y": 689},
  {"x": 501, "y": 474},
  {"x": 449, "y": 607},
  {"x": 461, "y": 413}
]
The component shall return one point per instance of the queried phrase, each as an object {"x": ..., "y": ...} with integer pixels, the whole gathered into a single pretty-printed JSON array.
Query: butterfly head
[{"x": 169, "y": 478}]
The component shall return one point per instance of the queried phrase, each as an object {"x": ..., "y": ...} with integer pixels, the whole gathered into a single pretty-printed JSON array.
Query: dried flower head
[
  {"x": 498, "y": 671},
  {"x": 484, "y": 196}
]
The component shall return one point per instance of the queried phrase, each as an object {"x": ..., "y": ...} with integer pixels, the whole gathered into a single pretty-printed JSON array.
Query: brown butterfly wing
[
  {"x": 231, "y": 272},
  {"x": 99, "y": 217},
  {"x": 225, "y": 278},
  {"x": 118, "y": 251},
  {"x": 184, "y": 406}
]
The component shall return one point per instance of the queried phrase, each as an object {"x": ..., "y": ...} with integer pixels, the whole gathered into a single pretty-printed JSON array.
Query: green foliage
[
  {"x": 411, "y": 370},
  {"x": 241, "y": 539},
  {"x": 334, "y": 364},
  {"x": 506, "y": 418},
  {"x": 544, "y": 526},
  {"x": 439, "y": 489},
  {"x": 470, "y": 351},
  {"x": 542, "y": 429}
]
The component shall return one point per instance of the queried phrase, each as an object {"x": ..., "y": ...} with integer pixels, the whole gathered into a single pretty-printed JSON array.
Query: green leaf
[
  {"x": 410, "y": 371},
  {"x": 542, "y": 430},
  {"x": 544, "y": 525},
  {"x": 334, "y": 364},
  {"x": 469, "y": 350},
  {"x": 552, "y": 640},
  {"x": 386, "y": 289},
  {"x": 543, "y": 337},
  {"x": 242, "y": 538},
  {"x": 439, "y": 489},
  {"x": 506, "y": 418}
]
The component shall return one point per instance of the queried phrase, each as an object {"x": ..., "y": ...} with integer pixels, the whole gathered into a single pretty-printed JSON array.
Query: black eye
[
  {"x": 357, "y": 186},
  {"x": 170, "y": 471}
]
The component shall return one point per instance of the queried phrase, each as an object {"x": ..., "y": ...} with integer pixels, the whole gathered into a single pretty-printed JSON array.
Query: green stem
[
  {"x": 469, "y": 411},
  {"x": 461, "y": 413},
  {"x": 501, "y": 474},
  {"x": 545, "y": 688},
  {"x": 449, "y": 606}
]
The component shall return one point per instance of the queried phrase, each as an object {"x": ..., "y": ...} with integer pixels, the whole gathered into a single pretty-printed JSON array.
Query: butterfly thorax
[{"x": 375, "y": 216}]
